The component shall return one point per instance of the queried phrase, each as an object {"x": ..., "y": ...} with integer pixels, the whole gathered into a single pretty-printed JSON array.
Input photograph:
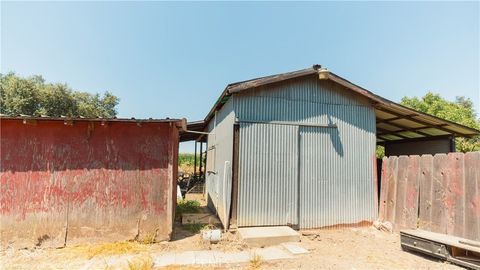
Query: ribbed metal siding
[
  {"x": 268, "y": 185},
  {"x": 220, "y": 143},
  {"x": 336, "y": 165},
  {"x": 336, "y": 172}
]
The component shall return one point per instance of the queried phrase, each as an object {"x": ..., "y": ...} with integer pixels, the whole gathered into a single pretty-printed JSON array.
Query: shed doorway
[{"x": 268, "y": 175}]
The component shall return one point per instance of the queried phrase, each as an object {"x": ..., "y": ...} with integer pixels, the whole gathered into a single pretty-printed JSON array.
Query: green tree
[
  {"x": 32, "y": 96},
  {"x": 460, "y": 111}
]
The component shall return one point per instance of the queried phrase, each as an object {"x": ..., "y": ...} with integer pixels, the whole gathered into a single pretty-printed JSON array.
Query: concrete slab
[
  {"x": 294, "y": 248},
  {"x": 205, "y": 257},
  {"x": 268, "y": 236},
  {"x": 271, "y": 253}
]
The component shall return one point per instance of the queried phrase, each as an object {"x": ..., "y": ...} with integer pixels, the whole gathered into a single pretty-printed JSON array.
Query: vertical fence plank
[
  {"x": 382, "y": 213},
  {"x": 411, "y": 200},
  {"x": 455, "y": 195},
  {"x": 392, "y": 188},
  {"x": 400, "y": 205},
  {"x": 472, "y": 196},
  {"x": 426, "y": 192},
  {"x": 440, "y": 164}
]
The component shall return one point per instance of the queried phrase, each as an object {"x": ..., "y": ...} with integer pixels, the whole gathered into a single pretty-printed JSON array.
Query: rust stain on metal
[{"x": 99, "y": 177}]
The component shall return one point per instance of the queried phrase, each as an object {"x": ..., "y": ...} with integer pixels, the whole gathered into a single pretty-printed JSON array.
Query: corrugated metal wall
[
  {"x": 86, "y": 182},
  {"x": 220, "y": 148},
  {"x": 268, "y": 193},
  {"x": 336, "y": 164}
]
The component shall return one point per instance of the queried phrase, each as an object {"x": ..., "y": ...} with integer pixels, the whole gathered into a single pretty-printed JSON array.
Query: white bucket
[{"x": 212, "y": 235}]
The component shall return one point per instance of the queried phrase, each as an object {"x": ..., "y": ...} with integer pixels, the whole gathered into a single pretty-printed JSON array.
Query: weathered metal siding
[
  {"x": 337, "y": 183},
  {"x": 92, "y": 181},
  {"x": 220, "y": 153},
  {"x": 267, "y": 196}
]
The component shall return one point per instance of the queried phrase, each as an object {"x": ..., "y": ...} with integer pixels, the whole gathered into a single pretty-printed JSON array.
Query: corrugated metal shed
[
  {"x": 306, "y": 155},
  {"x": 306, "y": 149}
]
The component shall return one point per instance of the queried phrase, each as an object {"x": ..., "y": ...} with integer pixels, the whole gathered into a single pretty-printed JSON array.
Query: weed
[
  {"x": 149, "y": 238},
  {"x": 194, "y": 227},
  {"x": 255, "y": 262},
  {"x": 187, "y": 206},
  {"x": 109, "y": 248}
]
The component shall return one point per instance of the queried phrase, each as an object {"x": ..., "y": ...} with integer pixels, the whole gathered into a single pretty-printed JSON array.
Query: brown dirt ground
[{"x": 363, "y": 248}]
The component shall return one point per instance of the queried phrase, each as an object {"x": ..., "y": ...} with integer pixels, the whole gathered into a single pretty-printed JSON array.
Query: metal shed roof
[
  {"x": 84, "y": 119},
  {"x": 394, "y": 121}
]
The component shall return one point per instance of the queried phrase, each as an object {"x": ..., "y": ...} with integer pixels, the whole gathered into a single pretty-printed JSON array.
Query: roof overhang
[
  {"x": 394, "y": 121},
  {"x": 195, "y": 131}
]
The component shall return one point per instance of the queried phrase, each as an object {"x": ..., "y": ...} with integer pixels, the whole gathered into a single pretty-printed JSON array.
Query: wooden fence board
[
  {"x": 426, "y": 192},
  {"x": 472, "y": 196},
  {"x": 384, "y": 190},
  {"x": 411, "y": 200},
  {"x": 400, "y": 205},
  {"x": 455, "y": 195},
  {"x": 440, "y": 163},
  {"x": 392, "y": 188}
]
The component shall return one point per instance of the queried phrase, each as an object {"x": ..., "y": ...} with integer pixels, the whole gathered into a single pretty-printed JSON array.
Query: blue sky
[{"x": 173, "y": 59}]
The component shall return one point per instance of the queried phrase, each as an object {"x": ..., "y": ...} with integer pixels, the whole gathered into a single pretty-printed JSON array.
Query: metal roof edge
[
  {"x": 388, "y": 103},
  {"x": 326, "y": 74},
  {"x": 126, "y": 120}
]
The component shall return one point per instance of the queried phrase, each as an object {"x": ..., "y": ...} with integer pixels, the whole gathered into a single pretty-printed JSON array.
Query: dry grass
[
  {"x": 255, "y": 262},
  {"x": 115, "y": 248},
  {"x": 141, "y": 263}
]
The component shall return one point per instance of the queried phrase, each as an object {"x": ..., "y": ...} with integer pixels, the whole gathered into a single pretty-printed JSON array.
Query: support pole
[
  {"x": 201, "y": 154},
  {"x": 195, "y": 161}
]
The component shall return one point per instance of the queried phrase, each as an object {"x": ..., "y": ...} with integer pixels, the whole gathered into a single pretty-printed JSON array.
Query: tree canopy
[
  {"x": 460, "y": 111},
  {"x": 33, "y": 96}
]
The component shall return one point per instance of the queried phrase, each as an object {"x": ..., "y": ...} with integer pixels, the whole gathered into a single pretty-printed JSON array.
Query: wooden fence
[{"x": 438, "y": 193}]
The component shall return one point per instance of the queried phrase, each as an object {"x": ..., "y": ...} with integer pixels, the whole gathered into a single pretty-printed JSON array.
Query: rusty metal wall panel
[
  {"x": 103, "y": 182},
  {"x": 448, "y": 193},
  {"x": 335, "y": 162},
  {"x": 268, "y": 185},
  {"x": 220, "y": 143}
]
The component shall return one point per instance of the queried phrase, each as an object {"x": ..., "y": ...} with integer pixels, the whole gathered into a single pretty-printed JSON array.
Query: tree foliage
[
  {"x": 459, "y": 111},
  {"x": 33, "y": 96}
]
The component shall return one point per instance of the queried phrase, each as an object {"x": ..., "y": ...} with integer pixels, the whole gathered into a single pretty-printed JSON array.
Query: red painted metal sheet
[{"x": 93, "y": 181}]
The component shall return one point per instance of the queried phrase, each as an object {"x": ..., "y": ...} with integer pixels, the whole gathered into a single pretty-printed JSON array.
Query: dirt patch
[{"x": 364, "y": 248}]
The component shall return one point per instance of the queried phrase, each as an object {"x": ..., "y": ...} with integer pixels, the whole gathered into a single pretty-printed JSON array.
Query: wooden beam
[
  {"x": 389, "y": 132},
  {"x": 410, "y": 129},
  {"x": 395, "y": 118}
]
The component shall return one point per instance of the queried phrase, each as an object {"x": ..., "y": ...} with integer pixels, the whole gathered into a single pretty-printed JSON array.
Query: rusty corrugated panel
[
  {"x": 336, "y": 173},
  {"x": 96, "y": 182}
]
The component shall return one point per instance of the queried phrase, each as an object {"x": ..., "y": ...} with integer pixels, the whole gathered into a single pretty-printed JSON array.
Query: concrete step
[{"x": 268, "y": 236}]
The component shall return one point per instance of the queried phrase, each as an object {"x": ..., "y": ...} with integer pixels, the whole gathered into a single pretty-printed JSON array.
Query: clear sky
[{"x": 174, "y": 59}]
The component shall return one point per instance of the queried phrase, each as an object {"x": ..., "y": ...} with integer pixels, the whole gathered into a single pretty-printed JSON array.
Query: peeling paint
[{"x": 99, "y": 178}]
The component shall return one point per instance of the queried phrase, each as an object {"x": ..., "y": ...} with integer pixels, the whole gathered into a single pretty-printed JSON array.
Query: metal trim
[{"x": 288, "y": 123}]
